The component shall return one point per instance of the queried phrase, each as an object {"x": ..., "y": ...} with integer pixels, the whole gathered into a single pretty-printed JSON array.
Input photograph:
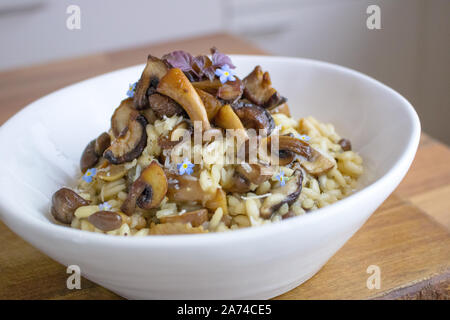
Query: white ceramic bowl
[{"x": 41, "y": 145}]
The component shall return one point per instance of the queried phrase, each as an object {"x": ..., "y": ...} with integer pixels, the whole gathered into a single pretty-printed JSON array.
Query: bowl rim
[{"x": 51, "y": 229}]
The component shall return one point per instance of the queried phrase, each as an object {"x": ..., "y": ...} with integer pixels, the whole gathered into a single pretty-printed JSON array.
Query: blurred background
[{"x": 410, "y": 53}]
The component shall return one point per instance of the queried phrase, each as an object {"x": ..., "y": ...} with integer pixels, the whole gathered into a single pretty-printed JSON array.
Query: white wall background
[{"x": 411, "y": 53}]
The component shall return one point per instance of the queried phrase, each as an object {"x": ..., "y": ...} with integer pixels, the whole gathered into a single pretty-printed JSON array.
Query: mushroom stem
[{"x": 178, "y": 87}]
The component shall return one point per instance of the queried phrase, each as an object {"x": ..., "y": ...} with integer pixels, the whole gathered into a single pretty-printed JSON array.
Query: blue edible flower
[
  {"x": 303, "y": 137},
  {"x": 280, "y": 177},
  {"x": 225, "y": 74},
  {"x": 89, "y": 175},
  {"x": 131, "y": 90},
  {"x": 104, "y": 206},
  {"x": 185, "y": 167}
]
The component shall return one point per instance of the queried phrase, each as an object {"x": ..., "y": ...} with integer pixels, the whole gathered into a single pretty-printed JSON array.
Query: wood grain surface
[{"x": 408, "y": 237}]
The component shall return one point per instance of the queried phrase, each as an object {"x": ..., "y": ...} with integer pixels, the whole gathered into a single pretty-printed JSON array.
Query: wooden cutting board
[{"x": 407, "y": 238}]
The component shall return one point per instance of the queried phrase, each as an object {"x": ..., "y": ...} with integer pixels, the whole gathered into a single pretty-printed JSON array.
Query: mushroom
[
  {"x": 228, "y": 91},
  {"x": 258, "y": 89},
  {"x": 318, "y": 164},
  {"x": 226, "y": 118},
  {"x": 254, "y": 117},
  {"x": 282, "y": 108},
  {"x": 93, "y": 151},
  {"x": 164, "y": 106},
  {"x": 247, "y": 174},
  {"x": 176, "y": 136},
  {"x": 112, "y": 173},
  {"x": 121, "y": 117},
  {"x": 195, "y": 218},
  {"x": 64, "y": 204},
  {"x": 177, "y": 86},
  {"x": 212, "y": 105},
  {"x": 310, "y": 159},
  {"x": 186, "y": 189},
  {"x": 231, "y": 90},
  {"x": 345, "y": 144},
  {"x": 255, "y": 173},
  {"x": 174, "y": 228},
  {"x": 105, "y": 220},
  {"x": 130, "y": 144},
  {"x": 152, "y": 74},
  {"x": 287, "y": 145},
  {"x": 282, "y": 194},
  {"x": 147, "y": 191}
]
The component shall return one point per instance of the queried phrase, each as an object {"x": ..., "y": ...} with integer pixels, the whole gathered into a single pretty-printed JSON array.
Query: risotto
[{"x": 195, "y": 149}]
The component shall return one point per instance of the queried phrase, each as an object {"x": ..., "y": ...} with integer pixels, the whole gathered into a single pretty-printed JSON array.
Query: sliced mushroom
[
  {"x": 129, "y": 146},
  {"x": 231, "y": 90},
  {"x": 178, "y": 87},
  {"x": 209, "y": 86},
  {"x": 174, "y": 228},
  {"x": 226, "y": 118},
  {"x": 212, "y": 105},
  {"x": 152, "y": 74},
  {"x": 164, "y": 106},
  {"x": 112, "y": 173},
  {"x": 258, "y": 89},
  {"x": 122, "y": 116},
  {"x": 93, "y": 151},
  {"x": 255, "y": 173},
  {"x": 176, "y": 136},
  {"x": 282, "y": 108},
  {"x": 106, "y": 220},
  {"x": 195, "y": 218},
  {"x": 254, "y": 117},
  {"x": 186, "y": 189},
  {"x": 283, "y": 194},
  {"x": 147, "y": 191},
  {"x": 318, "y": 164},
  {"x": 289, "y": 144},
  {"x": 228, "y": 91},
  {"x": 64, "y": 204}
]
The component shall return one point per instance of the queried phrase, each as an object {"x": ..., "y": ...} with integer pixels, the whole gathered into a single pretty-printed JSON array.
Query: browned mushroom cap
[
  {"x": 255, "y": 173},
  {"x": 289, "y": 144},
  {"x": 283, "y": 194},
  {"x": 228, "y": 91},
  {"x": 93, "y": 151},
  {"x": 178, "y": 87},
  {"x": 121, "y": 117},
  {"x": 164, "y": 106},
  {"x": 64, "y": 204},
  {"x": 152, "y": 74},
  {"x": 174, "y": 228},
  {"x": 186, "y": 189},
  {"x": 106, "y": 220},
  {"x": 282, "y": 108},
  {"x": 254, "y": 117},
  {"x": 130, "y": 145},
  {"x": 345, "y": 144},
  {"x": 258, "y": 89},
  {"x": 195, "y": 218},
  {"x": 176, "y": 136},
  {"x": 212, "y": 105},
  {"x": 147, "y": 191},
  {"x": 231, "y": 90}
]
